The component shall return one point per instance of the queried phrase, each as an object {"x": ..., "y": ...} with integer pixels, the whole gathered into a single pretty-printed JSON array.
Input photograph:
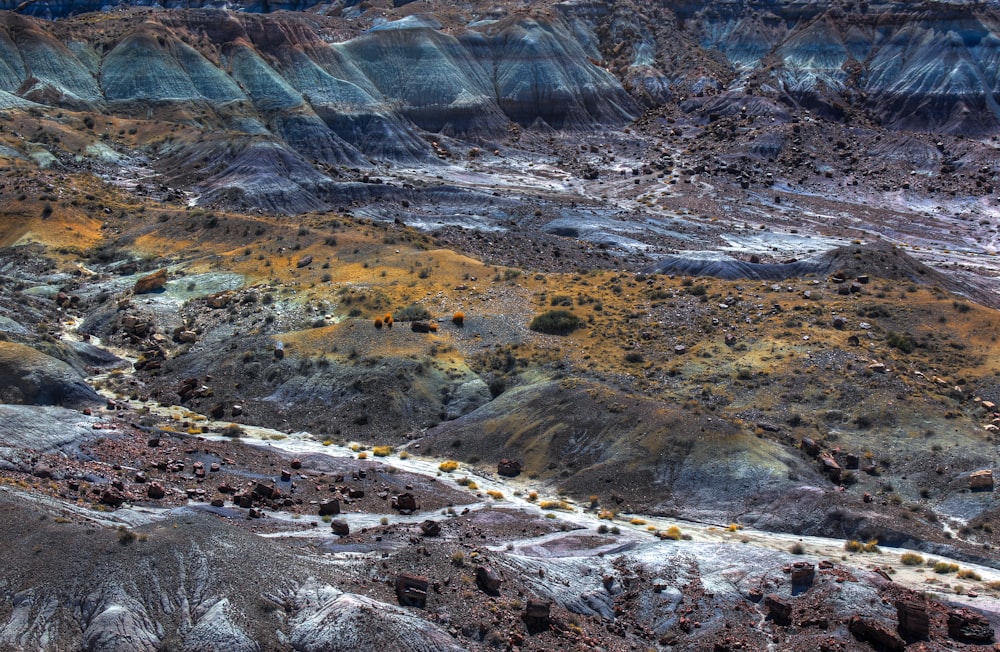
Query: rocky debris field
[{"x": 617, "y": 327}]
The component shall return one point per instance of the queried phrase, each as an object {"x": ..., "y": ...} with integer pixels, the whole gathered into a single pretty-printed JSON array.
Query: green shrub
[
  {"x": 412, "y": 312},
  {"x": 944, "y": 567},
  {"x": 912, "y": 559},
  {"x": 901, "y": 341},
  {"x": 556, "y": 322}
]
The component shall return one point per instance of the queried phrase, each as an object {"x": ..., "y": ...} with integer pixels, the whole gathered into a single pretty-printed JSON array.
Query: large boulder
[{"x": 30, "y": 377}]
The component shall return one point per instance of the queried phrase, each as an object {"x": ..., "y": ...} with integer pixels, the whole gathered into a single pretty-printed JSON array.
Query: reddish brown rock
[
  {"x": 154, "y": 282},
  {"x": 329, "y": 508},
  {"x": 803, "y": 573},
  {"x": 830, "y": 467},
  {"x": 981, "y": 480},
  {"x": 340, "y": 528},
  {"x": 914, "y": 621},
  {"x": 778, "y": 610},
  {"x": 430, "y": 528},
  {"x": 877, "y": 634},
  {"x": 155, "y": 491},
  {"x": 488, "y": 580},
  {"x": 112, "y": 497}
]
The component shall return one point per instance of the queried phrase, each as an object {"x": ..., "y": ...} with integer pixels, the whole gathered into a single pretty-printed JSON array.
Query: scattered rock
[
  {"x": 329, "y": 508},
  {"x": 430, "y": 528},
  {"x": 340, "y": 528}
]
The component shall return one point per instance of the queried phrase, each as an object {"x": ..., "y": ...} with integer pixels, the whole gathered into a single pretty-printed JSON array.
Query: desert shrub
[
  {"x": 532, "y": 496},
  {"x": 412, "y": 312},
  {"x": 872, "y": 546},
  {"x": 126, "y": 535},
  {"x": 448, "y": 466},
  {"x": 797, "y": 548},
  {"x": 362, "y": 455},
  {"x": 911, "y": 559},
  {"x": 854, "y": 546},
  {"x": 602, "y": 529},
  {"x": 378, "y": 322},
  {"x": 381, "y": 451},
  {"x": 634, "y": 357},
  {"x": 969, "y": 574},
  {"x": 458, "y": 558},
  {"x": 561, "y": 300},
  {"x": 637, "y": 521},
  {"x": 232, "y": 430},
  {"x": 901, "y": 341},
  {"x": 458, "y": 318},
  {"x": 494, "y": 494},
  {"x": 943, "y": 567},
  {"x": 673, "y": 533},
  {"x": 556, "y": 504},
  {"x": 556, "y": 322}
]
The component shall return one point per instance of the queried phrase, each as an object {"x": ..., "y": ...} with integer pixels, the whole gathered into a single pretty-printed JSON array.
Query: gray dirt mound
[{"x": 878, "y": 260}]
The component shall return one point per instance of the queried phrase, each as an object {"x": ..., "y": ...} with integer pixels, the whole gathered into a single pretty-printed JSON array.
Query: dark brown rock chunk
[
  {"x": 411, "y": 590},
  {"x": 406, "y": 503},
  {"x": 536, "y": 615},
  {"x": 509, "y": 468},
  {"x": 968, "y": 626},
  {"x": 488, "y": 580}
]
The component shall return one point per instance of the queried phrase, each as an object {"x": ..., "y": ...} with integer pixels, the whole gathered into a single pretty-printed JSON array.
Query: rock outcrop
[{"x": 30, "y": 377}]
